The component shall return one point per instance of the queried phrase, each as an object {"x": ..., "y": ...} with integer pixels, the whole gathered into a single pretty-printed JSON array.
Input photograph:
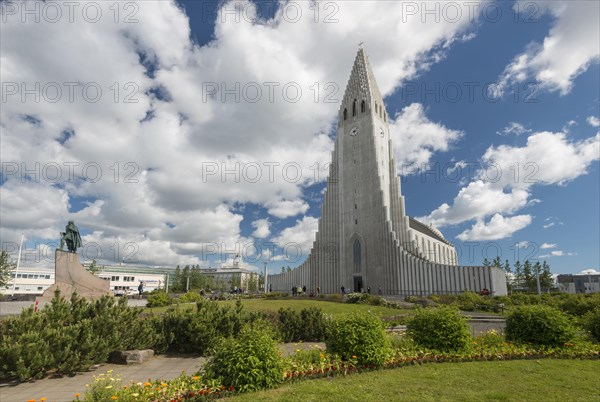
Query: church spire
[{"x": 362, "y": 87}]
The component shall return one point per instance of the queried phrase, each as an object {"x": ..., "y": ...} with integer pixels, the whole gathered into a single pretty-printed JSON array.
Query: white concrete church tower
[{"x": 365, "y": 239}]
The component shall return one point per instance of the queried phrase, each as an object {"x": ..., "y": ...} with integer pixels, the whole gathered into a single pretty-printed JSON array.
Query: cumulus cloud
[
  {"x": 174, "y": 152},
  {"x": 302, "y": 234},
  {"x": 593, "y": 121},
  {"x": 261, "y": 228},
  {"x": 545, "y": 246},
  {"x": 557, "y": 253},
  {"x": 514, "y": 128},
  {"x": 572, "y": 44},
  {"x": 504, "y": 185},
  {"x": 498, "y": 227},
  {"x": 416, "y": 138}
]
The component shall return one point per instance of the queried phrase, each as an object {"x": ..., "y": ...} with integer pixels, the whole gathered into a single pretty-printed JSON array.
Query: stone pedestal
[
  {"x": 70, "y": 276},
  {"x": 131, "y": 356}
]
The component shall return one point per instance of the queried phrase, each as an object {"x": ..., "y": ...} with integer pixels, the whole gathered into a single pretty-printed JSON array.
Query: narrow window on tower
[
  {"x": 356, "y": 221},
  {"x": 355, "y": 206},
  {"x": 356, "y": 256},
  {"x": 345, "y": 114},
  {"x": 363, "y": 107},
  {"x": 376, "y": 108},
  {"x": 354, "y": 108},
  {"x": 385, "y": 117}
]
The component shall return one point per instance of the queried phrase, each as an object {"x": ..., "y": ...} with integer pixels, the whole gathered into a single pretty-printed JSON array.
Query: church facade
[{"x": 365, "y": 239}]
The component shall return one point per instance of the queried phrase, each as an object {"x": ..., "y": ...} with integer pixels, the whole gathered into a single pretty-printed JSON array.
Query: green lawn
[
  {"x": 328, "y": 307},
  {"x": 518, "y": 380},
  {"x": 333, "y": 308}
]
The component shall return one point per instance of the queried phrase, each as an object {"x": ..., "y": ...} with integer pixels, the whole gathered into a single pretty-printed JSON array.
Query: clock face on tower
[{"x": 354, "y": 131}]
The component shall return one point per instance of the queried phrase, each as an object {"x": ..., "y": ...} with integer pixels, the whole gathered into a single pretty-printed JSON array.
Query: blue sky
[{"x": 510, "y": 87}]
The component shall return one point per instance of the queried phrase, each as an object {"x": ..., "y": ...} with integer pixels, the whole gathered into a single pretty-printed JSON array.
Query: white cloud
[
  {"x": 557, "y": 253},
  {"x": 522, "y": 244},
  {"x": 593, "y": 121},
  {"x": 302, "y": 234},
  {"x": 590, "y": 271},
  {"x": 286, "y": 208},
  {"x": 416, "y": 138},
  {"x": 498, "y": 227},
  {"x": 547, "y": 246},
  {"x": 514, "y": 128},
  {"x": 157, "y": 188},
  {"x": 572, "y": 44},
  {"x": 505, "y": 185},
  {"x": 261, "y": 227}
]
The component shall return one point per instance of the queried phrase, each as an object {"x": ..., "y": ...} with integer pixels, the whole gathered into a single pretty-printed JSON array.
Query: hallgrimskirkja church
[{"x": 365, "y": 239}]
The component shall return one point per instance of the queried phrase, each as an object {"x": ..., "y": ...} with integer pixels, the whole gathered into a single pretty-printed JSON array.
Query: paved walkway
[
  {"x": 159, "y": 367},
  {"x": 64, "y": 389}
]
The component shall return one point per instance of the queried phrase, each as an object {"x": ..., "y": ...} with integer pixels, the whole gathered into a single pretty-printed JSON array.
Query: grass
[
  {"x": 328, "y": 307},
  {"x": 333, "y": 308},
  {"x": 519, "y": 380}
]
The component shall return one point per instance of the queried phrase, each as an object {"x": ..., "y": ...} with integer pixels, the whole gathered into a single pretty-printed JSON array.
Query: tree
[
  {"x": 546, "y": 280},
  {"x": 528, "y": 275},
  {"x": 93, "y": 268},
  {"x": 497, "y": 262},
  {"x": 509, "y": 276},
  {"x": 519, "y": 278},
  {"x": 7, "y": 267},
  {"x": 486, "y": 262},
  {"x": 282, "y": 270},
  {"x": 176, "y": 281}
]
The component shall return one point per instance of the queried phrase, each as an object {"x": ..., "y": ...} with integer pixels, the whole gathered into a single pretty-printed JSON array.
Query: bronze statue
[{"x": 71, "y": 236}]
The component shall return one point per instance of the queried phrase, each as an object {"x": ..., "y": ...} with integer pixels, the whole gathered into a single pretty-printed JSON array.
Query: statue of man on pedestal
[{"x": 72, "y": 237}]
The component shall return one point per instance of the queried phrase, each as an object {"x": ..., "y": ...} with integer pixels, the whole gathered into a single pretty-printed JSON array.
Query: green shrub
[
  {"x": 249, "y": 362},
  {"x": 69, "y": 336},
  {"x": 578, "y": 305},
  {"x": 538, "y": 324},
  {"x": 442, "y": 329},
  {"x": 198, "y": 331},
  {"x": 363, "y": 298},
  {"x": 159, "y": 299},
  {"x": 361, "y": 335},
  {"x": 190, "y": 297},
  {"x": 591, "y": 322},
  {"x": 306, "y": 325}
]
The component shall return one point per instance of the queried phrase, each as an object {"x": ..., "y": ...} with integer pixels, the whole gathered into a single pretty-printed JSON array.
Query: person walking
[{"x": 141, "y": 289}]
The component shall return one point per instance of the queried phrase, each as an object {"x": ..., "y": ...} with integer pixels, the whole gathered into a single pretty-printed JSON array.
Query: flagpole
[{"x": 17, "y": 267}]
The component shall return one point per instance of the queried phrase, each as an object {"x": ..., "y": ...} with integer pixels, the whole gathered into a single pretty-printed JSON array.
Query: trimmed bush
[
  {"x": 249, "y": 362},
  {"x": 442, "y": 329},
  {"x": 190, "y": 297},
  {"x": 538, "y": 324},
  {"x": 591, "y": 322},
  {"x": 358, "y": 336},
  {"x": 306, "y": 325},
  {"x": 159, "y": 299}
]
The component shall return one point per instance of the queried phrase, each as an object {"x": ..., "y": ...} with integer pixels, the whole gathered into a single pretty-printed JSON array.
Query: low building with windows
[
  {"x": 29, "y": 281},
  {"x": 229, "y": 278},
  {"x": 579, "y": 283}
]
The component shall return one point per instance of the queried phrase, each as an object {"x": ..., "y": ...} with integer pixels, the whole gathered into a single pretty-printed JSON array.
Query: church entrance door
[{"x": 358, "y": 284}]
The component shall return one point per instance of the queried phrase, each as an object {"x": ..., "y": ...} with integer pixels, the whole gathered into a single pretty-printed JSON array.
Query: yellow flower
[
  {"x": 108, "y": 387},
  {"x": 147, "y": 384},
  {"x": 114, "y": 397},
  {"x": 135, "y": 395},
  {"x": 322, "y": 356},
  {"x": 354, "y": 357},
  {"x": 42, "y": 399},
  {"x": 196, "y": 378},
  {"x": 164, "y": 384}
]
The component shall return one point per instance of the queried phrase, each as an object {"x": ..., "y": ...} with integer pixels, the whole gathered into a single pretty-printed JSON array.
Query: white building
[{"x": 29, "y": 281}]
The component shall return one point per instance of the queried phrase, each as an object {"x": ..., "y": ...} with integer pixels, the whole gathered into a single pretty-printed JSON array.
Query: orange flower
[
  {"x": 31, "y": 400},
  {"x": 42, "y": 399},
  {"x": 77, "y": 395},
  {"x": 354, "y": 357},
  {"x": 196, "y": 378},
  {"x": 147, "y": 384},
  {"x": 114, "y": 397}
]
